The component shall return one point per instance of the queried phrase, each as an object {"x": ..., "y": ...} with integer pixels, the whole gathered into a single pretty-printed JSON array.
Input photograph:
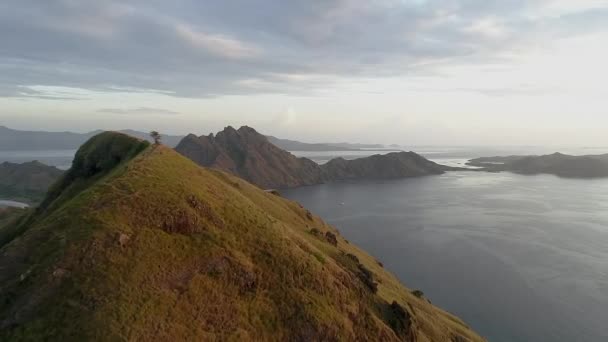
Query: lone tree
[{"x": 156, "y": 136}]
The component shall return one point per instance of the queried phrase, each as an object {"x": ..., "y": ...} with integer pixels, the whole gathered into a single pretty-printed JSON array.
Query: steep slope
[
  {"x": 251, "y": 156},
  {"x": 145, "y": 245},
  {"x": 562, "y": 165},
  {"x": 27, "y": 182},
  {"x": 391, "y": 165},
  {"x": 248, "y": 154}
]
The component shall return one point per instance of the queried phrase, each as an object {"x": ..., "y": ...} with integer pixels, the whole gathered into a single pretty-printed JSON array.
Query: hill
[
  {"x": 139, "y": 243},
  {"x": 562, "y": 165},
  {"x": 248, "y": 154},
  {"x": 251, "y": 156},
  {"x": 391, "y": 165},
  {"x": 27, "y": 182}
]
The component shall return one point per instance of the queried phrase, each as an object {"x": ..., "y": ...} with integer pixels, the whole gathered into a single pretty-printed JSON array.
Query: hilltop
[
  {"x": 562, "y": 165},
  {"x": 136, "y": 242},
  {"x": 251, "y": 156},
  {"x": 27, "y": 182}
]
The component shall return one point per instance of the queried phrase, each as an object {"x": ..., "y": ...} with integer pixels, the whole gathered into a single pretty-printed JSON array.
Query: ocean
[{"x": 519, "y": 258}]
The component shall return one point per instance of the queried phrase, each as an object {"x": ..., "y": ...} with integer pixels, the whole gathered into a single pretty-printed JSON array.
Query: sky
[{"x": 411, "y": 72}]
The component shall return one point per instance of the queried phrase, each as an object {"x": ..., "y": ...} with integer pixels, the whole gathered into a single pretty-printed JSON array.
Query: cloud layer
[
  {"x": 138, "y": 111},
  {"x": 192, "y": 48}
]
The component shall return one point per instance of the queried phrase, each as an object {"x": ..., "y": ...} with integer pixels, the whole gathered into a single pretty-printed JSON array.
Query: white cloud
[
  {"x": 138, "y": 111},
  {"x": 220, "y": 45}
]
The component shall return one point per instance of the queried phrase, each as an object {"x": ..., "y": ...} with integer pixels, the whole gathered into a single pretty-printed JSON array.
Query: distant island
[
  {"x": 562, "y": 165},
  {"x": 251, "y": 156},
  {"x": 293, "y": 145}
]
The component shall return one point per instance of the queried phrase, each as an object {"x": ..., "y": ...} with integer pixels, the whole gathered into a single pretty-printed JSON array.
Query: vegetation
[
  {"x": 155, "y": 137},
  {"x": 139, "y": 243},
  {"x": 418, "y": 293}
]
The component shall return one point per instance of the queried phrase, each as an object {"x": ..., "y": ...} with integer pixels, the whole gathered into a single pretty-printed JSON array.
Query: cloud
[
  {"x": 138, "y": 111},
  {"x": 194, "y": 48},
  {"x": 220, "y": 45}
]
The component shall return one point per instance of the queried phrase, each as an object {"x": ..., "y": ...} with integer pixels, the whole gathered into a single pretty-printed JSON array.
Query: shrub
[
  {"x": 353, "y": 257},
  {"x": 418, "y": 293},
  {"x": 399, "y": 320},
  {"x": 367, "y": 277},
  {"x": 331, "y": 238}
]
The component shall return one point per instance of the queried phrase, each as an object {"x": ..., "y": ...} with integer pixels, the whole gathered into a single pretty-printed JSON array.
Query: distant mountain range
[
  {"x": 16, "y": 140},
  {"x": 251, "y": 156},
  {"x": 562, "y": 165},
  {"x": 292, "y": 145}
]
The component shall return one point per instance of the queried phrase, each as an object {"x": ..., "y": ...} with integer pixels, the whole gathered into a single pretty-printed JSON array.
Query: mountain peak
[{"x": 93, "y": 160}]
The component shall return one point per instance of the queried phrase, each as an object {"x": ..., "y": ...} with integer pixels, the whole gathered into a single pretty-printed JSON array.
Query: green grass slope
[{"x": 139, "y": 243}]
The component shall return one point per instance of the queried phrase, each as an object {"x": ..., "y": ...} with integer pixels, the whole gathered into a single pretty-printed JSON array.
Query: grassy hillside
[{"x": 142, "y": 244}]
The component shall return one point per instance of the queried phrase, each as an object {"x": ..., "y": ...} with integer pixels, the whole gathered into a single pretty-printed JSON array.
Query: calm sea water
[{"x": 519, "y": 258}]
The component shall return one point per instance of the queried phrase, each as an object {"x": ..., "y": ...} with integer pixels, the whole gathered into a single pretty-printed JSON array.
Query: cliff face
[
  {"x": 249, "y": 155},
  {"x": 138, "y": 243},
  {"x": 392, "y": 165}
]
